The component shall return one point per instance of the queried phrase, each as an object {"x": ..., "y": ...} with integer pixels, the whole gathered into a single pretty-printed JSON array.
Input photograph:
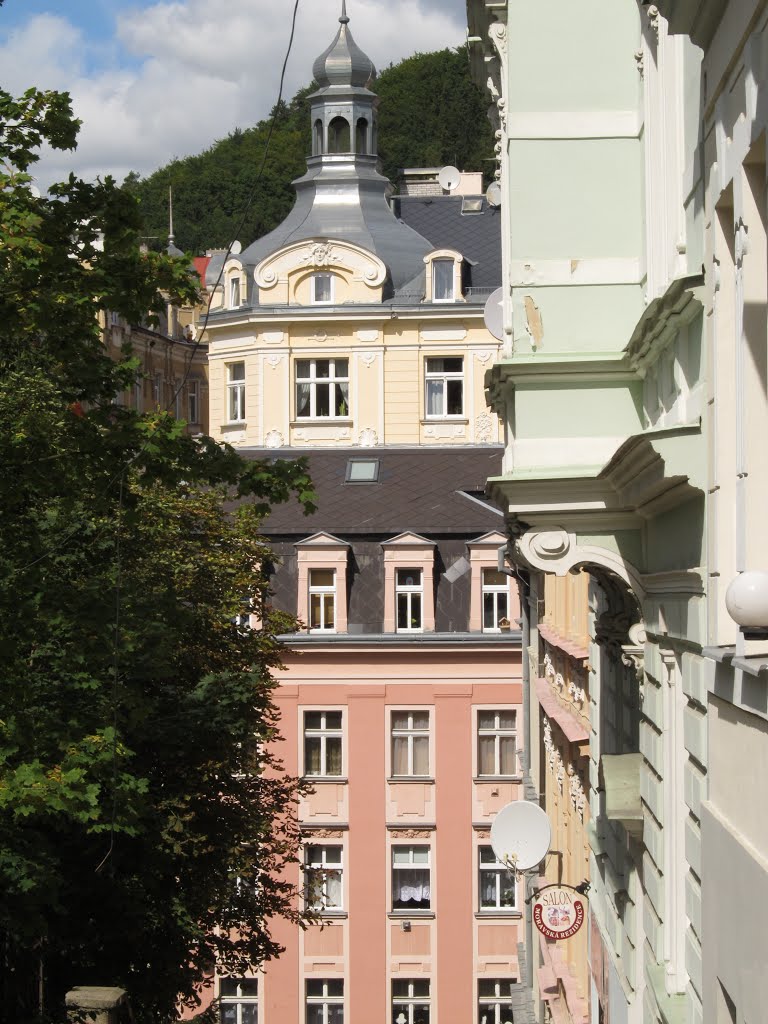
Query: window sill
[
  {"x": 234, "y": 425},
  {"x": 329, "y": 915},
  {"x": 427, "y": 421},
  {"x": 399, "y": 915},
  {"x": 497, "y": 778},
  {"x": 319, "y": 421},
  {"x": 495, "y": 915},
  {"x": 412, "y": 778},
  {"x": 334, "y": 779}
]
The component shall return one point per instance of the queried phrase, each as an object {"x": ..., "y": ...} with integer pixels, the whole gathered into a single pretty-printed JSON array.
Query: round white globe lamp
[{"x": 747, "y": 600}]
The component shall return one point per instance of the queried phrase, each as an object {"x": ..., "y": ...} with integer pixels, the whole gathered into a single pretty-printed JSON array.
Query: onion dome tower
[{"x": 343, "y": 196}]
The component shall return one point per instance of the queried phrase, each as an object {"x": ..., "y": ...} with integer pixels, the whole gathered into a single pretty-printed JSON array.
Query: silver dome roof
[{"x": 343, "y": 63}]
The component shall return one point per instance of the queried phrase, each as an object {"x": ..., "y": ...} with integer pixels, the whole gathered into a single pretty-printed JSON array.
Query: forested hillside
[{"x": 431, "y": 114}]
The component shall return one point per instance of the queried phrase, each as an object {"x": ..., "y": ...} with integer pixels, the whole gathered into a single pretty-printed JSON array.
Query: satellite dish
[
  {"x": 494, "y": 314},
  {"x": 236, "y": 248},
  {"x": 493, "y": 194},
  {"x": 520, "y": 835},
  {"x": 449, "y": 178}
]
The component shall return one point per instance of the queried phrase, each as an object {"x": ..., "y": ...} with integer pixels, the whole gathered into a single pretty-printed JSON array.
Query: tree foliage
[
  {"x": 430, "y": 114},
  {"x": 138, "y": 779}
]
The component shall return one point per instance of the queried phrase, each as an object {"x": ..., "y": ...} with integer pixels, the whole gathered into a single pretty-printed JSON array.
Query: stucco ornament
[
  {"x": 368, "y": 438},
  {"x": 413, "y": 833},
  {"x": 274, "y": 439},
  {"x": 549, "y": 668},
  {"x": 320, "y": 255},
  {"x": 326, "y": 833},
  {"x": 559, "y": 771},
  {"x": 577, "y": 695},
  {"x": 578, "y": 796},
  {"x": 653, "y": 19},
  {"x": 557, "y": 551},
  {"x": 483, "y": 428},
  {"x": 640, "y": 62},
  {"x": 633, "y": 653}
]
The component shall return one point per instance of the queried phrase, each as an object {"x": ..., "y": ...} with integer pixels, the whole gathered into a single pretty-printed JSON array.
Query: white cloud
[{"x": 186, "y": 72}]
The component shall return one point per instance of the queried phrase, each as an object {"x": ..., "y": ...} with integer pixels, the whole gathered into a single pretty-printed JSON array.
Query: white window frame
[
  {"x": 235, "y": 393},
  {"x": 313, "y": 288},
  {"x": 490, "y": 1008},
  {"x": 410, "y": 732},
  {"x": 321, "y": 861},
  {"x": 193, "y": 401},
  {"x": 493, "y": 590},
  {"x": 327, "y": 1000},
  {"x": 441, "y": 262},
  {"x": 235, "y": 291},
  {"x": 412, "y": 865},
  {"x": 314, "y": 381},
  {"x": 322, "y": 592},
  {"x": 443, "y": 377},
  {"x": 409, "y": 1002},
  {"x": 408, "y": 591},
  {"x": 324, "y": 733},
  {"x": 501, "y": 879},
  {"x": 498, "y": 733},
  {"x": 239, "y": 1000}
]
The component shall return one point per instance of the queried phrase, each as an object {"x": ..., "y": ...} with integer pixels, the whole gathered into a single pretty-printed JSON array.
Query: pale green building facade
[{"x": 633, "y": 384}]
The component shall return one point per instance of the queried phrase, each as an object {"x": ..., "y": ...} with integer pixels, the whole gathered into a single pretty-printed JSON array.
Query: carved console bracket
[{"x": 557, "y": 551}]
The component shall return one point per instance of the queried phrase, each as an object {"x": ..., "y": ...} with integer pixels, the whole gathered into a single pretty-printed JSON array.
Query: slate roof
[
  {"x": 423, "y": 490},
  {"x": 476, "y": 236}
]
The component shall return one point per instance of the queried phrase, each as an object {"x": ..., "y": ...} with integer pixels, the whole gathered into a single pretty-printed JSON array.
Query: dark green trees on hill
[{"x": 431, "y": 114}]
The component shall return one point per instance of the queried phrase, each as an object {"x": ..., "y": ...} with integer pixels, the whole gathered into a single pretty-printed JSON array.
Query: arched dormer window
[
  {"x": 443, "y": 282},
  {"x": 339, "y": 136},
  {"x": 321, "y": 289},
  {"x": 318, "y": 137},
  {"x": 234, "y": 286},
  {"x": 361, "y": 137}
]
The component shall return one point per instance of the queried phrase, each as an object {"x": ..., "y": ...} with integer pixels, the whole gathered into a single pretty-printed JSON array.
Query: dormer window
[
  {"x": 234, "y": 292},
  {"x": 322, "y": 289},
  {"x": 443, "y": 289}
]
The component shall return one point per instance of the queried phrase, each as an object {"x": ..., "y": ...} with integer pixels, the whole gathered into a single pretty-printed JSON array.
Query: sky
[{"x": 156, "y": 80}]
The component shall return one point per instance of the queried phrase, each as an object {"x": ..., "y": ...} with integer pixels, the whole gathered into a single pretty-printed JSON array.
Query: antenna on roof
[{"x": 344, "y": 19}]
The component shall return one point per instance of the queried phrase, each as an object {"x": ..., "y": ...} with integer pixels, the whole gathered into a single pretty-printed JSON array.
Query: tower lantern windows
[
  {"x": 318, "y": 137},
  {"x": 361, "y": 137},
  {"x": 339, "y": 140}
]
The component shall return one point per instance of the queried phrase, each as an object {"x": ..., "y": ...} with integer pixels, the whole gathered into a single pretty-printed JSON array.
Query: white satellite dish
[
  {"x": 236, "y": 248},
  {"x": 493, "y": 194},
  {"x": 449, "y": 178},
  {"x": 520, "y": 835},
  {"x": 494, "y": 314}
]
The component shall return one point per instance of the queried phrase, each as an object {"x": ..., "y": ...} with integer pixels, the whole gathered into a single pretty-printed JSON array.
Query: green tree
[
  {"x": 138, "y": 776},
  {"x": 431, "y": 113}
]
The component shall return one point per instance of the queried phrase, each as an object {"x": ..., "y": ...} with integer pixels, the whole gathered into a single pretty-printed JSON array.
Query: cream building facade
[{"x": 632, "y": 160}]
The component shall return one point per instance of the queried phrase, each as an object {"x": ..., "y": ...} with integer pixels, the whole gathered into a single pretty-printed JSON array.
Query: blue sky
[{"x": 156, "y": 79}]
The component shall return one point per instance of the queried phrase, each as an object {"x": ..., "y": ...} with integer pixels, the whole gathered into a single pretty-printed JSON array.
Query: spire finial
[
  {"x": 170, "y": 215},
  {"x": 344, "y": 19}
]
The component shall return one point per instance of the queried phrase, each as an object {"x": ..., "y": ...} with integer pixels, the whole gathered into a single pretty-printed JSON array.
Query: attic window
[
  {"x": 471, "y": 205},
  {"x": 362, "y": 471}
]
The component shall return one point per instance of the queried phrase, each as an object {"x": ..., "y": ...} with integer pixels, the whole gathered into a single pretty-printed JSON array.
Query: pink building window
[
  {"x": 496, "y": 884},
  {"x": 323, "y": 743},
  {"x": 410, "y": 743},
  {"x": 239, "y": 1000},
  {"x": 410, "y": 1001},
  {"x": 411, "y": 888},
  {"x": 322, "y": 601},
  {"x": 494, "y": 1002},
  {"x": 324, "y": 889},
  {"x": 496, "y": 737},
  {"x": 409, "y": 590},
  {"x": 409, "y": 598},
  {"x": 322, "y": 580},
  {"x": 495, "y": 600},
  {"x": 325, "y": 1001}
]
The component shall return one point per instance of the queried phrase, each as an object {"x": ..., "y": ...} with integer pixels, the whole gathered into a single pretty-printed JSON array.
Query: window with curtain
[
  {"x": 496, "y": 743},
  {"x": 409, "y": 594},
  {"x": 322, "y": 388},
  {"x": 443, "y": 281},
  {"x": 322, "y": 600},
  {"x": 410, "y": 1001},
  {"x": 411, "y": 878},
  {"x": 236, "y": 392},
  {"x": 410, "y": 743},
  {"x": 322, "y": 743},
  {"x": 498, "y": 890},
  {"x": 325, "y": 1001},
  {"x": 323, "y": 878},
  {"x": 495, "y": 599},
  {"x": 444, "y": 380},
  {"x": 239, "y": 1000}
]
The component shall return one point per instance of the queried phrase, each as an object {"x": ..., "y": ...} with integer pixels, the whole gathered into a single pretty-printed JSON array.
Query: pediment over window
[
  {"x": 491, "y": 539},
  {"x": 286, "y": 275},
  {"x": 322, "y": 540},
  {"x": 408, "y": 540}
]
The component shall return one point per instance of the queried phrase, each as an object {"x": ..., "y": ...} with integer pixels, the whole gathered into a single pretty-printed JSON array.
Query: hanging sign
[{"x": 558, "y": 911}]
